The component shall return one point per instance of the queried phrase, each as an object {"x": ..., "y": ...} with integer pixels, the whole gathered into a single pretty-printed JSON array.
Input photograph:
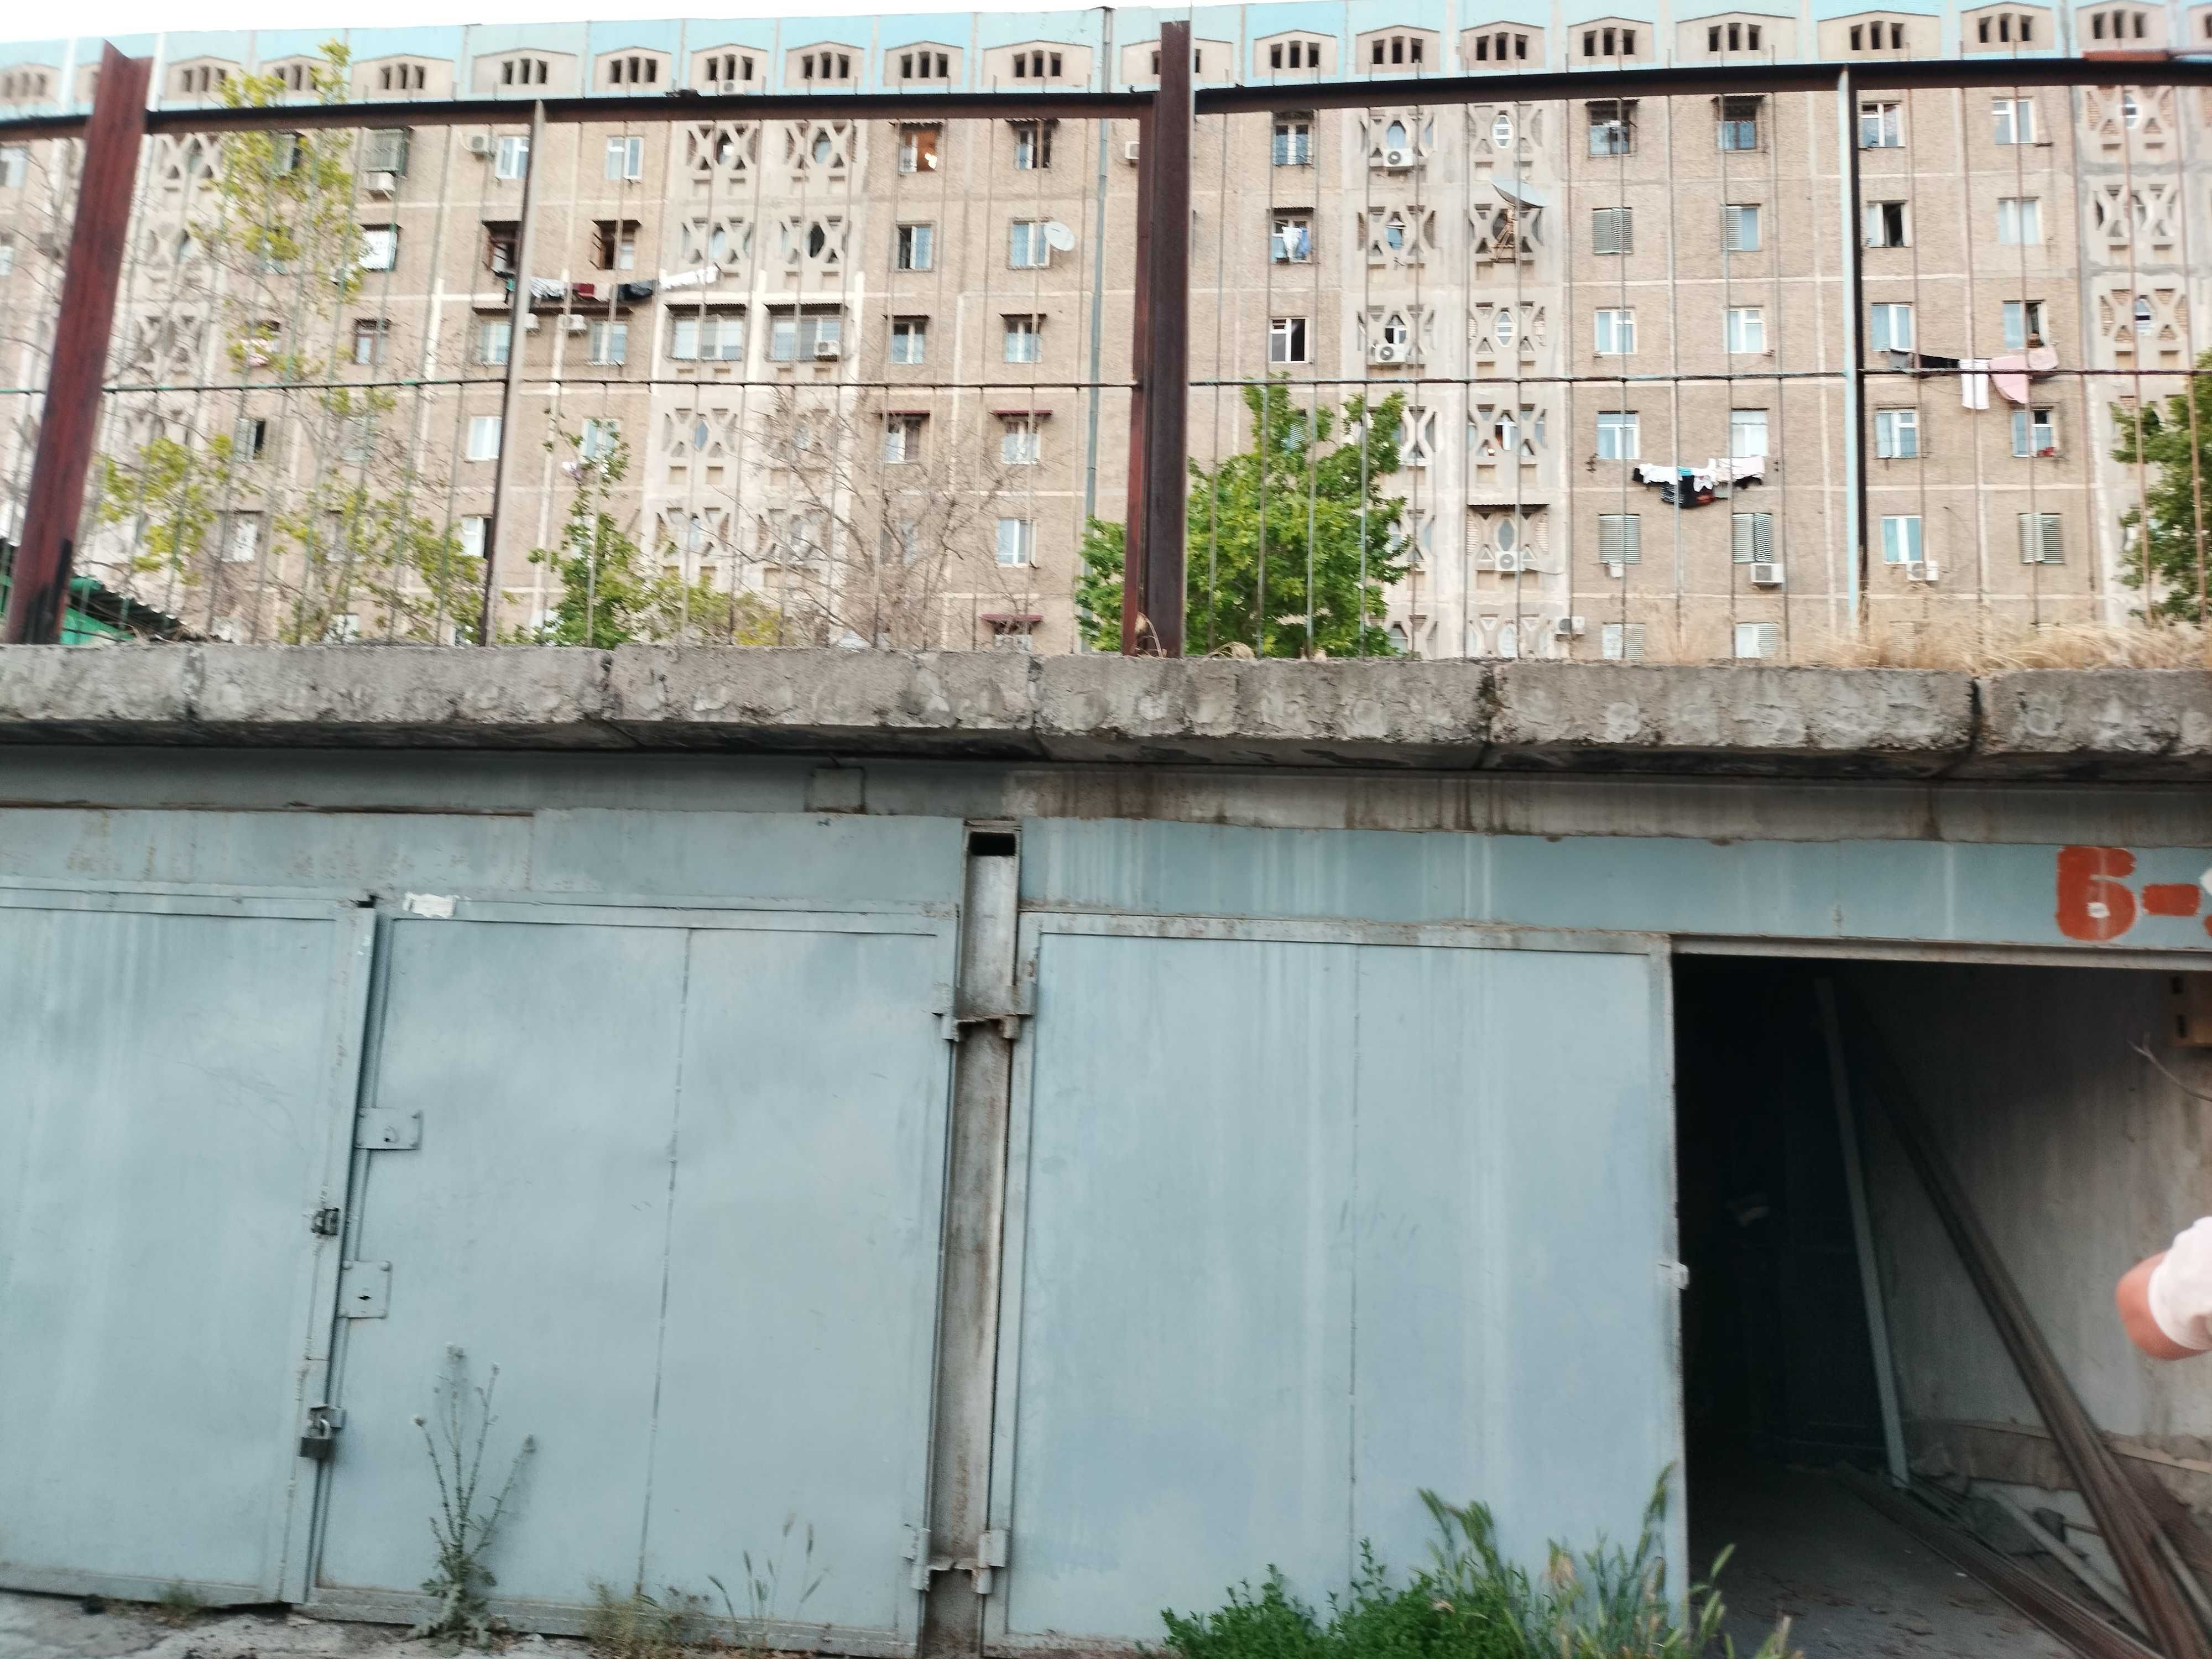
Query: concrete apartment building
[{"x": 874, "y": 372}]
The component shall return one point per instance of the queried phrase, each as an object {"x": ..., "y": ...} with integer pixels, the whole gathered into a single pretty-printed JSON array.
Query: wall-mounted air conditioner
[
  {"x": 479, "y": 143},
  {"x": 1391, "y": 351},
  {"x": 1767, "y": 575},
  {"x": 1129, "y": 152},
  {"x": 577, "y": 323},
  {"x": 530, "y": 323},
  {"x": 381, "y": 184},
  {"x": 1922, "y": 571},
  {"x": 1398, "y": 161},
  {"x": 825, "y": 349},
  {"x": 1508, "y": 564},
  {"x": 1567, "y": 627}
]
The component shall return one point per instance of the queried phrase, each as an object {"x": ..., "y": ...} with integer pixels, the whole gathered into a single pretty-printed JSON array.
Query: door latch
[
  {"x": 319, "y": 1438},
  {"x": 327, "y": 1221},
  {"x": 990, "y": 1553}
]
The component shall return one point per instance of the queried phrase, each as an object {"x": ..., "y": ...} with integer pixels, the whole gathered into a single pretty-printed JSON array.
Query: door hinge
[
  {"x": 990, "y": 1554},
  {"x": 1675, "y": 1275},
  {"x": 385, "y": 1129},
  {"x": 327, "y": 1221},
  {"x": 364, "y": 1290},
  {"x": 1020, "y": 1005},
  {"x": 319, "y": 1438}
]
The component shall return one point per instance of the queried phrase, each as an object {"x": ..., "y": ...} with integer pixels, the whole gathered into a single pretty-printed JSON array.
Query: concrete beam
[{"x": 2140, "y": 724}]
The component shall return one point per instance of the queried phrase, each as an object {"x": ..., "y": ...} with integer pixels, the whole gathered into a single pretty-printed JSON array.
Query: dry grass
[{"x": 1987, "y": 646}]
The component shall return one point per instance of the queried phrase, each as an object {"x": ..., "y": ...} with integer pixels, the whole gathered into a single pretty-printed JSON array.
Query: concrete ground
[
  {"x": 59, "y": 1627},
  {"x": 1851, "y": 1583}
]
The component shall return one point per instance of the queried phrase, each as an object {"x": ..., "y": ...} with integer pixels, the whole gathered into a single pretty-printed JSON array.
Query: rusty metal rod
[{"x": 1165, "y": 342}]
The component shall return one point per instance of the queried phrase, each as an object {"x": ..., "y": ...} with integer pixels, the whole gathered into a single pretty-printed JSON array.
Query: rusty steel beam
[
  {"x": 1164, "y": 339},
  {"x": 79, "y": 365},
  {"x": 1135, "y": 629}
]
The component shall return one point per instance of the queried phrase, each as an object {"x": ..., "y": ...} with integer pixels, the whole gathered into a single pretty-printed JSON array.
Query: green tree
[
  {"x": 1303, "y": 496},
  {"x": 2175, "y": 450},
  {"x": 610, "y": 595}
]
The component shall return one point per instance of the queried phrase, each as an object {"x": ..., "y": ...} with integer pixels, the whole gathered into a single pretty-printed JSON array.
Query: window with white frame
[
  {"x": 2023, "y": 324},
  {"x": 1886, "y": 224},
  {"x": 1287, "y": 340},
  {"x": 1611, "y": 126},
  {"x": 1881, "y": 123},
  {"x": 2012, "y": 120},
  {"x": 1900, "y": 538},
  {"x": 1026, "y": 247},
  {"x": 714, "y": 337},
  {"x": 1739, "y": 122},
  {"x": 1291, "y": 240},
  {"x": 476, "y": 530},
  {"x": 1021, "y": 440},
  {"x": 2019, "y": 221},
  {"x": 1757, "y": 639},
  {"x": 1017, "y": 541},
  {"x": 495, "y": 336},
  {"x": 511, "y": 158},
  {"x": 1739, "y": 227},
  {"x": 1619, "y": 538},
  {"x": 1613, "y": 333},
  {"x": 909, "y": 340},
  {"x": 380, "y": 247},
  {"x": 1896, "y": 434},
  {"x": 799, "y": 335},
  {"x": 1746, "y": 329},
  {"x": 1293, "y": 141},
  {"x": 1612, "y": 230},
  {"x": 598, "y": 437},
  {"x": 1620, "y": 641},
  {"x": 1889, "y": 326},
  {"x": 484, "y": 437},
  {"x": 914, "y": 247},
  {"x": 1750, "y": 536},
  {"x": 2035, "y": 432},
  {"x": 1032, "y": 145},
  {"x": 903, "y": 439},
  {"x": 610, "y": 341},
  {"x": 1747, "y": 434},
  {"x": 625, "y": 158},
  {"x": 15, "y": 166},
  {"x": 1024, "y": 339},
  {"x": 2039, "y": 539},
  {"x": 917, "y": 148},
  {"x": 1618, "y": 437}
]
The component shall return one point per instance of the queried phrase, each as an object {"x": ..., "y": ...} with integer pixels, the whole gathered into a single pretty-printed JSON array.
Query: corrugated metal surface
[
  {"x": 177, "y": 1106},
  {"x": 1309, "y": 1222}
]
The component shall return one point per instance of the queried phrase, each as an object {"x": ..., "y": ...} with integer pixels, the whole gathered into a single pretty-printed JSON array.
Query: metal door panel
[
  {"x": 1307, "y": 1217},
  {"x": 528, "y": 1230},
  {"x": 179, "y": 1106},
  {"x": 795, "y": 1378},
  {"x": 1185, "y": 1326}
]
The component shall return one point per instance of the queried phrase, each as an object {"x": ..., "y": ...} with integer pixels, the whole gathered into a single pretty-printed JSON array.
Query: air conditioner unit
[
  {"x": 1922, "y": 571},
  {"x": 1508, "y": 563},
  {"x": 1391, "y": 351},
  {"x": 826, "y": 349},
  {"x": 381, "y": 184},
  {"x": 1615, "y": 568},
  {"x": 530, "y": 324},
  {"x": 1398, "y": 161},
  {"x": 1567, "y": 627},
  {"x": 479, "y": 143},
  {"x": 1129, "y": 152},
  {"x": 1767, "y": 575},
  {"x": 578, "y": 323}
]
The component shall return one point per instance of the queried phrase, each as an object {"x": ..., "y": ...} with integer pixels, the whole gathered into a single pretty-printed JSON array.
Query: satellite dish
[{"x": 1057, "y": 237}]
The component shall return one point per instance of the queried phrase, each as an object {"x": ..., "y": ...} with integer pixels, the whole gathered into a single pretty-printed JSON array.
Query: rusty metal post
[
  {"x": 40, "y": 593},
  {"x": 1135, "y": 640},
  {"x": 1166, "y": 340},
  {"x": 510, "y": 403}
]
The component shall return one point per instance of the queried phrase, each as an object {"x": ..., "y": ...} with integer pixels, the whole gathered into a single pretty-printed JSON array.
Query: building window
[
  {"x": 1887, "y": 224},
  {"x": 615, "y": 244},
  {"x": 1294, "y": 54},
  {"x": 1901, "y": 539},
  {"x": 1395, "y": 51},
  {"x": 2039, "y": 539},
  {"x": 501, "y": 240},
  {"x": 2023, "y": 324},
  {"x": 380, "y": 246},
  {"x": 1889, "y": 327},
  {"x": 1746, "y": 329},
  {"x": 1869, "y": 37},
  {"x": 494, "y": 337},
  {"x": 825, "y": 66},
  {"x": 1615, "y": 334},
  {"x": 1032, "y": 145},
  {"x": 1609, "y": 43},
  {"x": 1021, "y": 439},
  {"x": 917, "y": 148},
  {"x": 609, "y": 342},
  {"x": 2035, "y": 432},
  {"x": 1287, "y": 340},
  {"x": 634, "y": 70},
  {"x": 1881, "y": 123},
  {"x": 369, "y": 334},
  {"x": 1293, "y": 141},
  {"x": 249, "y": 439},
  {"x": 1017, "y": 541},
  {"x": 1501, "y": 46},
  {"x": 511, "y": 159},
  {"x": 1739, "y": 37},
  {"x": 1739, "y": 227},
  {"x": 914, "y": 249},
  {"x": 1611, "y": 126},
  {"x": 1612, "y": 230},
  {"x": 1619, "y": 538},
  {"x": 1751, "y": 538},
  {"x": 925, "y": 66},
  {"x": 484, "y": 437},
  {"x": 1617, "y": 439},
  {"x": 803, "y": 335},
  {"x": 903, "y": 439},
  {"x": 1024, "y": 339},
  {"x": 714, "y": 337},
  {"x": 476, "y": 529},
  {"x": 1037, "y": 66},
  {"x": 1739, "y": 128},
  {"x": 725, "y": 69},
  {"x": 2019, "y": 221},
  {"x": 1621, "y": 642},
  {"x": 243, "y": 539},
  {"x": 1026, "y": 247},
  {"x": 1290, "y": 242},
  {"x": 15, "y": 166},
  {"x": 523, "y": 72},
  {"x": 625, "y": 158},
  {"x": 598, "y": 438},
  {"x": 1747, "y": 434},
  {"x": 1896, "y": 434},
  {"x": 1754, "y": 640},
  {"x": 2014, "y": 120},
  {"x": 909, "y": 340}
]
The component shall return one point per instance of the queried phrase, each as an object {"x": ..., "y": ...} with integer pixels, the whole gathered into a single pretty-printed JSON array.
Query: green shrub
[{"x": 1470, "y": 1602}]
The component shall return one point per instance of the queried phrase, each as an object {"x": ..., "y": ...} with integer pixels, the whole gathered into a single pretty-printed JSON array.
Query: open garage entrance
[{"x": 2078, "y": 1156}]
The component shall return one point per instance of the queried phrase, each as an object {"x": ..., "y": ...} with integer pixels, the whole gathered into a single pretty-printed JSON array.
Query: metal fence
[{"x": 1758, "y": 360}]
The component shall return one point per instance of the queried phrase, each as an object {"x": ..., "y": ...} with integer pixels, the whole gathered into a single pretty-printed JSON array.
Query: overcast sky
[{"x": 29, "y": 21}]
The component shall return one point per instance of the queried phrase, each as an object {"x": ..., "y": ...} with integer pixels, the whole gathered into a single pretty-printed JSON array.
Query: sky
[{"x": 30, "y": 22}]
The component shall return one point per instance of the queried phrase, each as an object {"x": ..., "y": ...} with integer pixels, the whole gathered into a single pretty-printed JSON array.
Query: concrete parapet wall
[{"x": 2147, "y": 725}]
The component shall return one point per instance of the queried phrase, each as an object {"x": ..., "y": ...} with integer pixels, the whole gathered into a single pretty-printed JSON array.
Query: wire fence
[{"x": 1614, "y": 365}]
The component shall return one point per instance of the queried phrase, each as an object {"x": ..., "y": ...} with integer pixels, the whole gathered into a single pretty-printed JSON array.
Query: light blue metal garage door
[
  {"x": 679, "y": 1176},
  {"x": 1305, "y": 1219},
  {"x": 177, "y": 1077}
]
